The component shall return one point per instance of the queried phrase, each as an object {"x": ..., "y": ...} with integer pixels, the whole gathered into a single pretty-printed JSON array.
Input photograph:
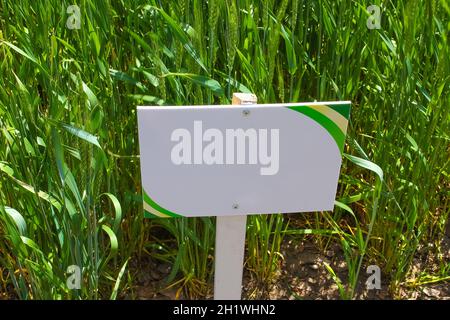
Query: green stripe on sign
[
  {"x": 149, "y": 215},
  {"x": 325, "y": 122},
  {"x": 157, "y": 207},
  {"x": 343, "y": 109}
]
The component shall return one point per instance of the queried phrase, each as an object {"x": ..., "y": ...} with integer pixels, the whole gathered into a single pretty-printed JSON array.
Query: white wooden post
[{"x": 230, "y": 241}]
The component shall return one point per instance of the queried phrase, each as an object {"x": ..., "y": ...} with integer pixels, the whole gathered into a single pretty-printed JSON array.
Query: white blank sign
[{"x": 234, "y": 160}]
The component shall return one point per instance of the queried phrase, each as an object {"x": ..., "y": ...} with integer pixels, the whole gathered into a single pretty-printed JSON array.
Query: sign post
[
  {"x": 232, "y": 161},
  {"x": 230, "y": 241}
]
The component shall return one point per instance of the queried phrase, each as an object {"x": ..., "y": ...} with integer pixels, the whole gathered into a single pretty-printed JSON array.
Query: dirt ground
[{"x": 302, "y": 276}]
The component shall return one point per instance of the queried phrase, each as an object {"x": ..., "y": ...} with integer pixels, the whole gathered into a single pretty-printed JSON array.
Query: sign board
[{"x": 201, "y": 161}]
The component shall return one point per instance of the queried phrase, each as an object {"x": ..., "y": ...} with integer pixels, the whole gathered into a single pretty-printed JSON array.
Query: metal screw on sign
[{"x": 230, "y": 239}]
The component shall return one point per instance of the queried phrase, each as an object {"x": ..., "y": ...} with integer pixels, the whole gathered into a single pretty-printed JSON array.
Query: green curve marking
[
  {"x": 149, "y": 215},
  {"x": 325, "y": 122},
  {"x": 157, "y": 207},
  {"x": 343, "y": 109}
]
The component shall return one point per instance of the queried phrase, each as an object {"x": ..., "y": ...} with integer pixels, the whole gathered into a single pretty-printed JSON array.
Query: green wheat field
[{"x": 70, "y": 187}]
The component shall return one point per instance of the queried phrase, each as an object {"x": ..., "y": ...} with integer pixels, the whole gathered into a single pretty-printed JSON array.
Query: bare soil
[{"x": 302, "y": 276}]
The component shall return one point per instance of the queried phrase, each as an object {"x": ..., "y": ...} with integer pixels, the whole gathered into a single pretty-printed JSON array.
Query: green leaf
[
  {"x": 18, "y": 220},
  {"x": 21, "y": 52},
  {"x": 389, "y": 44},
  {"x": 65, "y": 175},
  {"x": 122, "y": 76},
  {"x": 41, "y": 194},
  {"x": 91, "y": 96},
  {"x": 93, "y": 36},
  {"x": 206, "y": 82},
  {"x": 336, "y": 280},
  {"x": 292, "y": 60},
  {"x": 141, "y": 41},
  {"x": 30, "y": 243},
  {"x": 119, "y": 278},
  {"x": 86, "y": 136},
  {"x": 112, "y": 239},
  {"x": 181, "y": 36},
  {"x": 175, "y": 266},
  {"x": 234, "y": 83},
  {"x": 6, "y": 169},
  {"x": 117, "y": 210},
  {"x": 150, "y": 77},
  {"x": 366, "y": 164},
  {"x": 29, "y": 56},
  {"x": 344, "y": 206},
  {"x": 151, "y": 99}
]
